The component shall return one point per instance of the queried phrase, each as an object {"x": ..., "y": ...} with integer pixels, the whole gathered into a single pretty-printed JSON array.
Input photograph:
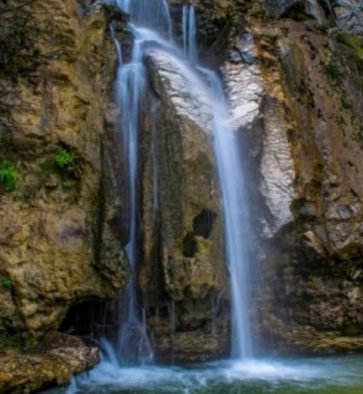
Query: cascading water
[
  {"x": 151, "y": 25},
  {"x": 246, "y": 376},
  {"x": 133, "y": 343},
  {"x": 190, "y": 33},
  {"x": 237, "y": 229},
  {"x": 235, "y": 204}
]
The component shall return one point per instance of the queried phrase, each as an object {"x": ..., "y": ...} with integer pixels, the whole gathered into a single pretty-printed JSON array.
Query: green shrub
[
  {"x": 7, "y": 282},
  {"x": 65, "y": 161},
  {"x": 9, "y": 176}
]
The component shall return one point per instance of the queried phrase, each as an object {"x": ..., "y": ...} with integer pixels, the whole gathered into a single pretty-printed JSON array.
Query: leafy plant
[
  {"x": 7, "y": 282},
  {"x": 65, "y": 160},
  {"x": 9, "y": 176}
]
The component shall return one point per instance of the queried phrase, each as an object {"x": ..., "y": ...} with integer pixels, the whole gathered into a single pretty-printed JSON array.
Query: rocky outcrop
[
  {"x": 292, "y": 72},
  {"x": 295, "y": 92},
  {"x": 55, "y": 363},
  {"x": 183, "y": 273},
  {"x": 60, "y": 239},
  {"x": 349, "y": 15}
]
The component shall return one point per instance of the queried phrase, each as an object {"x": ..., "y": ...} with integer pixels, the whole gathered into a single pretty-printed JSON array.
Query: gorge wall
[
  {"x": 293, "y": 75},
  {"x": 60, "y": 224}
]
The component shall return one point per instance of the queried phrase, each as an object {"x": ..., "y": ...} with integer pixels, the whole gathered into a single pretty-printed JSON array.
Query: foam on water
[{"x": 308, "y": 373}]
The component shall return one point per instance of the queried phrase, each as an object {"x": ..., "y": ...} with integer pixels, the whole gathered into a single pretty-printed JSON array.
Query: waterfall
[
  {"x": 151, "y": 25},
  {"x": 235, "y": 207},
  {"x": 133, "y": 344},
  {"x": 189, "y": 33}
]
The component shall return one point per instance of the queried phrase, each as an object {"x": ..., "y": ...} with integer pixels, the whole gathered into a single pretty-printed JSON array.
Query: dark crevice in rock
[
  {"x": 202, "y": 227},
  {"x": 190, "y": 247},
  {"x": 203, "y": 223},
  {"x": 90, "y": 318}
]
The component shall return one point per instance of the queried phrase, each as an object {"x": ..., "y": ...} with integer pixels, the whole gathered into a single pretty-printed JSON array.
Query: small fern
[
  {"x": 9, "y": 176},
  {"x": 65, "y": 161}
]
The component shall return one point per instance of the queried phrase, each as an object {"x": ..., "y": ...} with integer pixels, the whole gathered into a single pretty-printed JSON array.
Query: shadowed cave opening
[
  {"x": 90, "y": 318},
  {"x": 202, "y": 227}
]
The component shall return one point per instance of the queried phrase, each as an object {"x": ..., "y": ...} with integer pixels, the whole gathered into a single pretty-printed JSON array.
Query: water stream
[
  {"x": 151, "y": 26},
  {"x": 340, "y": 375}
]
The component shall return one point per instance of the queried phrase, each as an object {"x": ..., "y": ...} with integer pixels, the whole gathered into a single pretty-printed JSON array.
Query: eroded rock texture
[
  {"x": 183, "y": 274},
  {"x": 293, "y": 76},
  {"x": 59, "y": 233},
  {"x": 314, "y": 82},
  {"x": 296, "y": 95},
  {"x": 55, "y": 363}
]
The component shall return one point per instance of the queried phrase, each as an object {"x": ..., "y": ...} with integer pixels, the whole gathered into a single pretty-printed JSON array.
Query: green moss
[
  {"x": 7, "y": 282},
  {"x": 9, "y": 176},
  {"x": 65, "y": 161},
  {"x": 17, "y": 342},
  {"x": 353, "y": 42}
]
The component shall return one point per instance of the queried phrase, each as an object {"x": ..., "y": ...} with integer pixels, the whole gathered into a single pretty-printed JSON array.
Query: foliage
[
  {"x": 7, "y": 282},
  {"x": 17, "y": 342},
  {"x": 65, "y": 161},
  {"x": 9, "y": 176}
]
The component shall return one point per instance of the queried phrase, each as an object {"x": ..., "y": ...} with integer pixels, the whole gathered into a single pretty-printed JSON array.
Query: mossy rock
[
  {"x": 54, "y": 363},
  {"x": 352, "y": 41}
]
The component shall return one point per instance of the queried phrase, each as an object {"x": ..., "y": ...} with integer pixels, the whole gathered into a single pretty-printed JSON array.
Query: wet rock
[
  {"x": 310, "y": 262},
  {"x": 187, "y": 271},
  {"x": 53, "y": 224},
  {"x": 54, "y": 363},
  {"x": 349, "y": 15}
]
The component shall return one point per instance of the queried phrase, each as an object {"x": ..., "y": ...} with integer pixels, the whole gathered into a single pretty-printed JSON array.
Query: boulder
[
  {"x": 54, "y": 363},
  {"x": 184, "y": 271}
]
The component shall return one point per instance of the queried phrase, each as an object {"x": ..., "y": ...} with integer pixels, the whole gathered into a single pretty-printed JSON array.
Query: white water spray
[
  {"x": 148, "y": 18},
  {"x": 151, "y": 25}
]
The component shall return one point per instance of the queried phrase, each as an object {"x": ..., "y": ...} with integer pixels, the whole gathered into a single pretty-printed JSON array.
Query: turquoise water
[{"x": 335, "y": 375}]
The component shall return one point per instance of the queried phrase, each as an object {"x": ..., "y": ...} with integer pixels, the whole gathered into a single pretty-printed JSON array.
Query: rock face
[
  {"x": 61, "y": 357},
  {"x": 60, "y": 240},
  {"x": 292, "y": 72},
  {"x": 183, "y": 275},
  {"x": 349, "y": 15},
  {"x": 296, "y": 96},
  {"x": 318, "y": 250}
]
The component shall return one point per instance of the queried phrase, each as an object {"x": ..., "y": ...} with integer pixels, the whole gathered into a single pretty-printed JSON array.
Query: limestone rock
[
  {"x": 311, "y": 265},
  {"x": 187, "y": 271},
  {"x": 52, "y": 225},
  {"x": 349, "y": 15},
  {"x": 54, "y": 364}
]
